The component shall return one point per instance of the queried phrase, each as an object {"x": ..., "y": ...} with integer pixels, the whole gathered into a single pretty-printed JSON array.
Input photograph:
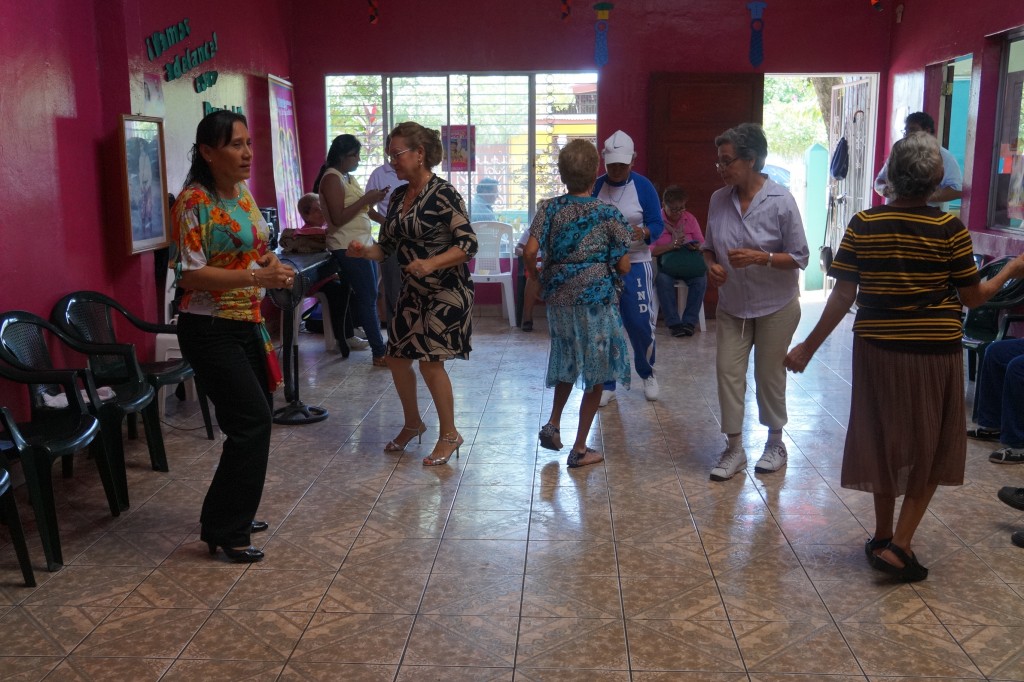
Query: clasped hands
[{"x": 273, "y": 274}]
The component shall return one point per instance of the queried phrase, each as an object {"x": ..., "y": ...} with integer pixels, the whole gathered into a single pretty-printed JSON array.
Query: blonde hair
[
  {"x": 577, "y": 164},
  {"x": 417, "y": 136}
]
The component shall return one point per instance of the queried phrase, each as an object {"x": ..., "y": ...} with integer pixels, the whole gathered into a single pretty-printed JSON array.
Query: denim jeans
[
  {"x": 1000, "y": 390},
  {"x": 666, "y": 286},
  {"x": 361, "y": 276},
  {"x": 228, "y": 358}
]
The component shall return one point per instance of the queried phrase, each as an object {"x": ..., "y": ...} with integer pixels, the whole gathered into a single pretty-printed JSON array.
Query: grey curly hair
[
  {"x": 915, "y": 167},
  {"x": 748, "y": 141}
]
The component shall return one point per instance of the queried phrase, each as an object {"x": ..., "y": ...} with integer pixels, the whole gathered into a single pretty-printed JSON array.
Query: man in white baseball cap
[{"x": 636, "y": 198}]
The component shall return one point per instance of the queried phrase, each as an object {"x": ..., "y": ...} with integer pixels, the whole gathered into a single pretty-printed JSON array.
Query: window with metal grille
[{"x": 517, "y": 124}]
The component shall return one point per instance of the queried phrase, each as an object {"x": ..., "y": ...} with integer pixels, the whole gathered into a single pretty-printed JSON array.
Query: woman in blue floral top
[
  {"x": 224, "y": 264},
  {"x": 586, "y": 245}
]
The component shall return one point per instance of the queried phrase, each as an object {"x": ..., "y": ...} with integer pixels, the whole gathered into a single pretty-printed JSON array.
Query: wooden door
[{"x": 687, "y": 111}]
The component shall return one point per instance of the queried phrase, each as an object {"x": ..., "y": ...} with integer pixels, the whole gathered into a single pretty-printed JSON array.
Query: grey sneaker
[
  {"x": 729, "y": 463},
  {"x": 772, "y": 459},
  {"x": 357, "y": 343},
  {"x": 606, "y": 397},
  {"x": 651, "y": 389}
]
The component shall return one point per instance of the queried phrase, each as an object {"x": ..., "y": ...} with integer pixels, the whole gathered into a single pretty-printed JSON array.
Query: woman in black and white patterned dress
[{"x": 428, "y": 227}]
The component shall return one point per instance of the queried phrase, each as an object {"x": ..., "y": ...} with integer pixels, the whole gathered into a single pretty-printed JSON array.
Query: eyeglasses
[
  {"x": 722, "y": 165},
  {"x": 673, "y": 210},
  {"x": 394, "y": 155}
]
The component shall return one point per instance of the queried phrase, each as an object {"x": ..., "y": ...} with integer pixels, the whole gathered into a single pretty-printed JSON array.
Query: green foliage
[{"x": 792, "y": 117}]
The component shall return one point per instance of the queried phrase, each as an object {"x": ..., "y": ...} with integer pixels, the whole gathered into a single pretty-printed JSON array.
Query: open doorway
[{"x": 805, "y": 116}]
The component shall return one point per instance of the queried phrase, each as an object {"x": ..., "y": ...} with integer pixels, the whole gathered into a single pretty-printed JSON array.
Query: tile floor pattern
[{"x": 505, "y": 565}]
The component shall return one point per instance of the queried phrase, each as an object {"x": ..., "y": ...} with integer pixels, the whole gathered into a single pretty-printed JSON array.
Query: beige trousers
[{"x": 769, "y": 336}]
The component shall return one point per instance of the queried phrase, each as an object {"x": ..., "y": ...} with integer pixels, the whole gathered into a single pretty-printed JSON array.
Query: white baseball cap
[{"x": 618, "y": 148}]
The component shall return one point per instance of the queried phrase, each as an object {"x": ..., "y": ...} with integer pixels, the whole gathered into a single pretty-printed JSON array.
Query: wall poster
[
  {"x": 145, "y": 178},
  {"x": 459, "y": 148},
  {"x": 285, "y": 147}
]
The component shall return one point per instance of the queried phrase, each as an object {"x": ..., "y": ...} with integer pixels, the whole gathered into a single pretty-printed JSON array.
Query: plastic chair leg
[
  {"x": 510, "y": 302},
  {"x": 9, "y": 510},
  {"x": 154, "y": 436},
  {"x": 39, "y": 479},
  {"x": 972, "y": 364},
  {"x": 107, "y": 477},
  {"x": 133, "y": 426},
  {"x": 110, "y": 433}
]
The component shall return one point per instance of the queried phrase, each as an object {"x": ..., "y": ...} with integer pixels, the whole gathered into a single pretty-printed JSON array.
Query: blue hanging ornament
[
  {"x": 603, "y": 9},
  {"x": 756, "y": 32}
]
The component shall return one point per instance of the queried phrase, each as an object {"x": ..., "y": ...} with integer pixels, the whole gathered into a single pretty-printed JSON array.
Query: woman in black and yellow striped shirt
[{"x": 909, "y": 267}]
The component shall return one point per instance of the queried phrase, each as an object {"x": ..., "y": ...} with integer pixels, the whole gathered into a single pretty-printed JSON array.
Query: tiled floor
[{"x": 505, "y": 565}]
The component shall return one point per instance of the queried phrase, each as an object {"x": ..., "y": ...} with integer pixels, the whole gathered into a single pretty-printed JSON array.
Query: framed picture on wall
[
  {"x": 284, "y": 144},
  {"x": 145, "y": 183}
]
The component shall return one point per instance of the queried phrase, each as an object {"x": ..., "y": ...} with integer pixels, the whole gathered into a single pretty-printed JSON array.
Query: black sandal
[
  {"x": 911, "y": 572},
  {"x": 869, "y": 549},
  {"x": 549, "y": 437},
  {"x": 577, "y": 459},
  {"x": 527, "y": 326},
  {"x": 981, "y": 433}
]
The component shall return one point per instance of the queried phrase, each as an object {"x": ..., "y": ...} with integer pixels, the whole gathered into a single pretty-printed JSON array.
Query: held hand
[
  {"x": 694, "y": 246},
  {"x": 268, "y": 259},
  {"x": 638, "y": 233},
  {"x": 741, "y": 258},
  {"x": 717, "y": 274},
  {"x": 376, "y": 196},
  {"x": 275, "y": 276},
  {"x": 419, "y": 268},
  {"x": 355, "y": 249},
  {"x": 1015, "y": 268},
  {"x": 797, "y": 359}
]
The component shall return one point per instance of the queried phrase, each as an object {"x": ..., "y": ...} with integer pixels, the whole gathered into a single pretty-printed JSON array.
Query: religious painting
[{"x": 145, "y": 183}]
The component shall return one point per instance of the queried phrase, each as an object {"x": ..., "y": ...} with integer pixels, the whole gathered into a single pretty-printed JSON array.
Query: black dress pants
[{"x": 228, "y": 358}]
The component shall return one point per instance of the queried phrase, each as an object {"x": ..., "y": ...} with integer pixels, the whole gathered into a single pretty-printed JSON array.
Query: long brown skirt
[{"x": 907, "y": 425}]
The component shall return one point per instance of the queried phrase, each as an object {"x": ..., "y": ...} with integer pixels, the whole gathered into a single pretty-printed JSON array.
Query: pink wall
[
  {"x": 933, "y": 31},
  {"x": 74, "y": 67},
  {"x": 669, "y": 35}
]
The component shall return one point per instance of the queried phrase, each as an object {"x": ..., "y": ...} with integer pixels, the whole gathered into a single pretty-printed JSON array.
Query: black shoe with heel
[{"x": 248, "y": 555}]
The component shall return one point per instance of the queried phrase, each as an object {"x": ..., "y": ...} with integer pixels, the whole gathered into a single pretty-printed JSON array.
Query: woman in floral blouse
[
  {"x": 224, "y": 264},
  {"x": 586, "y": 249}
]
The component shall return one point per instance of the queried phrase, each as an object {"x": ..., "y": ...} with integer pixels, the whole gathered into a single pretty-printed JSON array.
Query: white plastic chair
[
  {"x": 487, "y": 265},
  {"x": 681, "y": 291}
]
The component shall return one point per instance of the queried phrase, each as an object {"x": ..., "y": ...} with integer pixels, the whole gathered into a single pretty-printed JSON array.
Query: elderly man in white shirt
[{"x": 950, "y": 187}]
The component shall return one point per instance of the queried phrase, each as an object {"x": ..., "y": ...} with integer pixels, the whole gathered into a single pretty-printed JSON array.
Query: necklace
[{"x": 622, "y": 190}]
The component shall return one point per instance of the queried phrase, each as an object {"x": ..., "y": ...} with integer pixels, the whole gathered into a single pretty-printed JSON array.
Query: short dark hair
[
  {"x": 748, "y": 141},
  {"x": 674, "y": 193},
  {"x": 215, "y": 131},
  {"x": 921, "y": 119}
]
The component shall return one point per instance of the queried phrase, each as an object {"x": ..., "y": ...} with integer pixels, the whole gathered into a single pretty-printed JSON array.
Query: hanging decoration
[
  {"x": 373, "y": 11},
  {"x": 877, "y": 5},
  {"x": 566, "y": 9},
  {"x": 756, "y": 32},
  {"x": 603, "y": 9}
]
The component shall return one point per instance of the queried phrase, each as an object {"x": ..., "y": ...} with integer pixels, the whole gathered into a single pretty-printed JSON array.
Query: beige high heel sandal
[
  {"x": 414, "y": 432},
  {"x": 453, "y": 439}
]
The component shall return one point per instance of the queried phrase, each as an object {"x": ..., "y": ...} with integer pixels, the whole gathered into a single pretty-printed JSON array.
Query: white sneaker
[
  {"x": 730, "y": 462},
  {"x": 358, "y": 331},
  {"x": 651, "y": 387},
  {"x": 357, "y": 343},
  {"x": 772, "y": 459},
  {"x": 606, "y": 397}
]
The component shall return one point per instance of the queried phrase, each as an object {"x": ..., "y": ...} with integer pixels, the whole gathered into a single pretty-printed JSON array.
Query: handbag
[{"x": 682, "y": 263}]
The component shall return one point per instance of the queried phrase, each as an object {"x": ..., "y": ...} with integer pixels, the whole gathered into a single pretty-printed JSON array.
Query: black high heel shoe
[
  {"x": 249, "y": 555},
  {"x": 259, "y": 526}
]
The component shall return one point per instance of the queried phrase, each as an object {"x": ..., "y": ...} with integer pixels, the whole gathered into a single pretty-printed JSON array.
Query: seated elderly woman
[
  {"x": 585, "y": 243},
  {"x": 909, "y": 267}
]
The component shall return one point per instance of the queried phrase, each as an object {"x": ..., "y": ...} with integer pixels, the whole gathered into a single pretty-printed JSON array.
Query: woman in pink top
[{"x": 681, "y": 232}]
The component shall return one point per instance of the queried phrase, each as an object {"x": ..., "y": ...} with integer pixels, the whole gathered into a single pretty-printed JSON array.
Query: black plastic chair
[
  {"x": 982, "y": 326},
  {"x": 9, "y": 514},
  {"x": 55, "y": 433},
  {"x": 23, "y": 345},
  {"x": 87, "y": 315}
]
